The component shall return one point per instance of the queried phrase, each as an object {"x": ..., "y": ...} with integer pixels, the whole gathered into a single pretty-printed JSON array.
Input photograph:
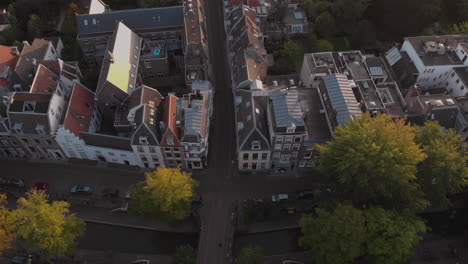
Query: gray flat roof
[{"x": 135, "y": 19}]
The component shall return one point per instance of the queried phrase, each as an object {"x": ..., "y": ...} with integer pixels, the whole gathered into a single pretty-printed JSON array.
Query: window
[
  {"x": 291, "y": 129},
  {"x": 154, "y": 158},
  {"x": 458, "y": 80},
  {"x": 255, "y": 144},
  {"x": 245, "y": 165},
  {"x": 25, "y": 140},
  {"x": 308, "y": 155},
  {"x": 462, "y": 87},
  {"x": 152, "y": 149},
  {"x": 286, "y": 147},
  {"x": 167, "y": 149},
  {"x": 453, "y": 74},
  {"x": 263, "y": 165},
  {"x": 143, "y": 158},
  {"x": 296, "y": 28},
  {"x": 264, "y": 156},
  {"x": 295, "y": 147},
  {"x": 255, "y": 156},
  {"x": 140, "y": 149},
  {"x": 17, "y": 128},
  {"x": 32, "y": 149},
  {"x": 177, "y": 155},
  {"x": 169, "y": 155},
  {"x": 278, "y": 147},
  {"x": 111, "y": 154},
  {"x": 297, "y": 139},
  {"x": 246, "y": 156},
  {"x": 49, "y": 142},
  {"x": 143, "y": 140},
  {"x": 85, "y": 42},
  {"x": 288, "y": 139},
  {"x": 29, "y": 106},
  {"x": 279, "y": 140},
  {"x": 276, "y": 155},
  {"x": 37, "y": 141},
  {"x": 294, "y": 155},
  {"x": 147, "y": 64}
]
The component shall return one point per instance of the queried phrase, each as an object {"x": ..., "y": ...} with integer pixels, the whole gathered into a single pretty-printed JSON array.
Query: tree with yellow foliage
[
  {"x": 46, "y": 227},
  {"x": 373, "y": 161},
  {"x": 166, "y": 194},
  {"x": 7, "y": 234}
]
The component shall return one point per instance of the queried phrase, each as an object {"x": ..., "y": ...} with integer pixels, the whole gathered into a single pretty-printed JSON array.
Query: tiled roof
[
  {"x": 45, "y": 81},
  {"x": 8, "y": 58},
  {"x": 135, "y": 19},
  {"x": 342, "y": 97},
  {"x": 170, "y": 132},
  {"x": 53, "y": 65},
  {"x": 25, "y": 66},
  {"x": 80, "y": 110},
  {"x": 250, "y": 3}
]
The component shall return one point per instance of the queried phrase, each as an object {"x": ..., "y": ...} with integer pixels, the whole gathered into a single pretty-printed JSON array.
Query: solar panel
[
  {"x": 376, "y": 71},
  {"x": 298, "y": 15}
]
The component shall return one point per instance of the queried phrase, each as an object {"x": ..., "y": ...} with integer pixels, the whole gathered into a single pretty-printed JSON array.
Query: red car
[{"x": 41, "y": 186}]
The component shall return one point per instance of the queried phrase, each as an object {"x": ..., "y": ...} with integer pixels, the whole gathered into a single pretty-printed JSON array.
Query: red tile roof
[
  {"x": 169, "y": 118},
  {"x": 45, "y": 81},
  {"x": 52, "y": 65},
  {"x": 80, "y": 110},
  {"x": 7, "y": 58}
]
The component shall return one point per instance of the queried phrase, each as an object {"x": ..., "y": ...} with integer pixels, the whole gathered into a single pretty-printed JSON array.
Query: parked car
[
  {"x": 81, "y": 189},
  {"x": 21, "y": 260},
  {"x": 15, "y": 182},
  {"x": 196, "y": 199},
  {"x": 3, "y": 180},
  {"x": 279, "y": 197},
  {"x": 306, "y": 194},
  {"x": 41, "y": 186},
  {"x": 110, "y": 192}
]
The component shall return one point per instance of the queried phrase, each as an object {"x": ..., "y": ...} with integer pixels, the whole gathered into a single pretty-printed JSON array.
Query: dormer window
[
  {"x": 170, "y": 140},
  {"x": 255, "y": 144},
  {"x": 18, "y": 128},
  {"x": 291, "y": 130},
  {"x": 144, "y": 140},
  {"x": 40, "y": 129},
  {"x": 29, "y": 106}
]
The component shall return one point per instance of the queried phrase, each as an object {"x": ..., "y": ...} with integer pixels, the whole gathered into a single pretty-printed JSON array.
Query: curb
[{"x": 133, "y": 226}]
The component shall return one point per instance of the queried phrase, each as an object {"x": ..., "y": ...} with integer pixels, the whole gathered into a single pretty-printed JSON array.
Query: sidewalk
[
  {"x": 285, "y": 222},
  {"x": 107, "y": 257},
  {"x": 102, "y": 216}
]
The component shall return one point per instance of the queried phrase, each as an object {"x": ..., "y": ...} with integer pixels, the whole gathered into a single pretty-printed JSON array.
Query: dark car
[
  {"x": 21, "y": 259},
  {"x": 81, "y": 189},
  {"x": 15, "y": 182},
  {"x": 41, "y": 186},
  {"x": 110, "y": 192},
  {"x": 3, "y": 181},
  {"x": 307, "y": 194}
]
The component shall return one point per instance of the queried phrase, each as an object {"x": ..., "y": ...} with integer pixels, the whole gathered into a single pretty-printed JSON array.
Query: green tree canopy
[
  {"x": 325, "y": 24},
  {"x": 289, "y": 58},
  {"x": 460, "y": 28},
  {"x": 444, "y": 171},
  {"x": 347, "y": 233},
  {"x": 335, "y": 237},
  {"x": 373, "y": 161},
  {"x": 250, "y": 255},
  {"x": 166, "y": 193},
  {"x": 324, "y": 45},
  {"x": 34, "y": 28},
  {"x": 185, "y": 254},
  {"x": 47, "y": 227},
  {"x": 391, "y": 235},
  {"x": 7, "y": 230}
]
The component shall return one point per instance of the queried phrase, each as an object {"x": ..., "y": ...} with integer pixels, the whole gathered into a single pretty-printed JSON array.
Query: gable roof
[
  {"x": 45, "y": 81},
  {"x": 29, "y": 54},
  {"x": 136, "y": 19},
  {"x": 341, "y": 97},
  {"x": 147, "y": 118},
  {"x": 170, "y": 130},
  {"x": 196, "y": 119},
  {"x": 8, "y": 58},
  {"x": 20, "y": 98},
  {"x": 252, "y": 120},
  {"x": 244, "y": 30},
  {"x": 80, "y": 110}
]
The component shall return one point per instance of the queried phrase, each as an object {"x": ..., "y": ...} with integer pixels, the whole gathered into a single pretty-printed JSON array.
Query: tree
[
  {"x": 250, "y": 255},
  {"x": 47, "y": 227},
  {"x": 350, "y": 10},
  {"x": 444, "y": 170},
  {"x": 460, "y": 28},
  {"x": 288, "y": 59},
  {"x": 185, "y": 254},
  {"x": 391, "y": 235},
  {"x": 324, "y": 45},
  {"x": 34, "y": 28},
  {"x": 335, "y": 237},
  {"x": 462, "y": 8},
  {"x": 7, "y": 230},
  {"x": 373, "y": 161},
  {"x": 346, "y": 233},
  {"x": 325, "y": 24},
  {"x": 166, "y": 193}
]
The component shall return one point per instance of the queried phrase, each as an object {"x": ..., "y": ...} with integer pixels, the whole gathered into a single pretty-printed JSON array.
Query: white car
[{"x": 279, "y": 197}]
